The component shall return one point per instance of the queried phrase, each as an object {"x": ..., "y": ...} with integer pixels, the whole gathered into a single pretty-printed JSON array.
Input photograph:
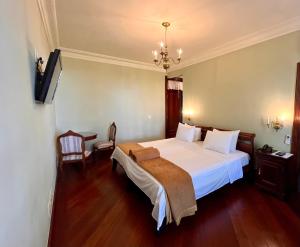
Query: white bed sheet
[{"x": 209, "y": 170}]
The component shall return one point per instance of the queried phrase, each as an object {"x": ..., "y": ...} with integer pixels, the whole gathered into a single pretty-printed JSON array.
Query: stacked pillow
[
  {"x": 185, "y": 133},
  {"x": 197, "y": 133},
  {"x": 221, "y": 141},
  {"x": 235, "y": 136},
  {"x": 216, "y": 140}
]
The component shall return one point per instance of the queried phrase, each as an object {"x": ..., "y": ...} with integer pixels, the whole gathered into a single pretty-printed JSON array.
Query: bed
[{"x": 208, "y": 169}]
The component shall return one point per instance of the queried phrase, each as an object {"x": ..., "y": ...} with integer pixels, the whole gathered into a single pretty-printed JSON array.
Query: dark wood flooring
[{"x": 101, "y": 207}]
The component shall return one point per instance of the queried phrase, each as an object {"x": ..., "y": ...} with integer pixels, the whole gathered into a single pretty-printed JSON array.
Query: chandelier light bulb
[
  {"x": 179, "y": 51},
  {"x": 155, "y": 54}
]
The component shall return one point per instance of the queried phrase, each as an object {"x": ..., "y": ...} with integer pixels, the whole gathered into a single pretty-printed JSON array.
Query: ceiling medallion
[{"x": 164, "y": 59}]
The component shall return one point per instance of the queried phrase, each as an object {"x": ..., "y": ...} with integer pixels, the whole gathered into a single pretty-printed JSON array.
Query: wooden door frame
[
  {"x": 166, "y": 100},
  {"x": 296, "y": 125}
]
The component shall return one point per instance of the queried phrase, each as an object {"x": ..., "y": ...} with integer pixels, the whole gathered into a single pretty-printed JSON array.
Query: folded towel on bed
[
  {"x": 176, "y": 181},
  {"x": 144, "y": 154},
  {"x": 126, "y": 147}
]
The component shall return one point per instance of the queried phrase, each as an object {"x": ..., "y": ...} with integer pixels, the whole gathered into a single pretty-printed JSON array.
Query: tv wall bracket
[{"x": 39, "y": 76}]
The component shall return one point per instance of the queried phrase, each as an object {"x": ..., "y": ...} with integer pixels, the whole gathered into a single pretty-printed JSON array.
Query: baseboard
[{"x": 53, "y": 211}]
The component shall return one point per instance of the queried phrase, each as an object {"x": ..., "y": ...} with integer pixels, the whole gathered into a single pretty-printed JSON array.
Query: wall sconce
[
  {"x": 188, "y": 114},
  {"x": 275, "y": 124}
]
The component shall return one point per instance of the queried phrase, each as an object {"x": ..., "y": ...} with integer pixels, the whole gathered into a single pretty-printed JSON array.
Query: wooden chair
[
  {"x": 111, "y": 143},
  {"x": 71, "y": 149}
]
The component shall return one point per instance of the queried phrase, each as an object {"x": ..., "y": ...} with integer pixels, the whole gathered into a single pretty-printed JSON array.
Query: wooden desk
[{"x": 88, "y": 135}]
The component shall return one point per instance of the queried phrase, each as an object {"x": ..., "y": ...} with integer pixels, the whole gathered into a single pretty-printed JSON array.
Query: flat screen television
[{"x": 46, "y": 83}]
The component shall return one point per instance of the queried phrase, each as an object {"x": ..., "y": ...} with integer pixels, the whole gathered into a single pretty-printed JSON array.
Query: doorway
[{"x": 173, "y": 104}]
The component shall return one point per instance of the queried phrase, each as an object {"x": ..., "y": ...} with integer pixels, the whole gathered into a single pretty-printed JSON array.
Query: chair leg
[
  {"x": 114, "y": 164},
  {"x": 83, "y": 164},
  {"x": 61, "y": 167},
  {"x": 94, "y": 154}
]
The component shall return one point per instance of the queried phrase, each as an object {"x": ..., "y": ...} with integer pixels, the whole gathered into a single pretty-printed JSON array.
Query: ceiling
[{"x": 131, "y": 29}]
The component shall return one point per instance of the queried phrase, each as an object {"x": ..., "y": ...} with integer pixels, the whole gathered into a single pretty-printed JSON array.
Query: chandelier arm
[
  {"x": 161, "y": 59},
  {"x": 177, "y": 61},
  {"x": 158, "y": 63}
]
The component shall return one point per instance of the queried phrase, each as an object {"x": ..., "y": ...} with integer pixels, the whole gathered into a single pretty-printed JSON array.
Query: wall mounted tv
[{"x": 47, "y": 81}]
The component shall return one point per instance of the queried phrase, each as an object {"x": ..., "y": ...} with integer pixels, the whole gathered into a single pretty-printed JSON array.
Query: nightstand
[{"x": 273, "y": 173}]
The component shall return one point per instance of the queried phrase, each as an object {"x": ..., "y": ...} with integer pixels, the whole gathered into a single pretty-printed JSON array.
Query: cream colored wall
[
  {"x": 27, "y": 151},
  {"x": 240, "y": 89},
  {"x": 91, "y": 95}
]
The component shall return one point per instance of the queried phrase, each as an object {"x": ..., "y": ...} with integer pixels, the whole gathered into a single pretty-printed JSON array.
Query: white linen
[
  {"x": 185, "y": 132},
  {"x": 208, "y": 169},
  {"x": 219, "y": 141},
  {"x": 197, "y": 134},
  {"x": 235, "y": 136}
]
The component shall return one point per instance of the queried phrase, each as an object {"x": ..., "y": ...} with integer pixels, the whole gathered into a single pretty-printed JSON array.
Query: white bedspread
[{"x": 209, "y": 170}]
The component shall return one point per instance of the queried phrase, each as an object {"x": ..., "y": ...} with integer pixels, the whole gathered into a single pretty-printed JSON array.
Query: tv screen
[{"x": 47, "y": 83}]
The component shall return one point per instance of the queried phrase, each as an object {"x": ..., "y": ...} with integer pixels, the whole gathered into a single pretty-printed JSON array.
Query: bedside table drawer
[
  {"x": 273, "y": 173},
  {"x": 269, "y": 176}
]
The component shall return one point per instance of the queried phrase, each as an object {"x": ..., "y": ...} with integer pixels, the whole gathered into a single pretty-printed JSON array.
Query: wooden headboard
[{"x": 245, "y": 141}]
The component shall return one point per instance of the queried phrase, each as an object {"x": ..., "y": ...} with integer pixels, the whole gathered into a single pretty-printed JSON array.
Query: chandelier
[{"x": 164, "y": 59}]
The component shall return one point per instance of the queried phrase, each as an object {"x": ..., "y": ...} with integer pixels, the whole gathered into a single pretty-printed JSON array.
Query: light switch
[{"x": 287, "y": 139}]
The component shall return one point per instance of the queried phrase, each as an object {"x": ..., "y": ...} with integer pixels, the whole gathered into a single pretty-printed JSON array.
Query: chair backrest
[
  {"x": 112, "y": 132},
  {"x": 70, "y": 143}
]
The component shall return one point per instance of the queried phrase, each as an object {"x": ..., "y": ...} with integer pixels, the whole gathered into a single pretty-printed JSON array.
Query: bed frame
[{"x": 245, "y": 143}]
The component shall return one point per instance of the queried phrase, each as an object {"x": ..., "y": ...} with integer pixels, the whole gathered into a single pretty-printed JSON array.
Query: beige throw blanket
[
  {"x": 176, "y": 181},
  {"x": 144, "y": 154}
]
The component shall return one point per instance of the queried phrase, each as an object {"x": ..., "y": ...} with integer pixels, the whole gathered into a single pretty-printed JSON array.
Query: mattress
[{"x": 208, "y": 169}]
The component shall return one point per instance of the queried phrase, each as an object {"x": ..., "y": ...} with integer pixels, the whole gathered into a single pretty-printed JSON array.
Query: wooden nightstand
[{"x": 273, "y": 173}]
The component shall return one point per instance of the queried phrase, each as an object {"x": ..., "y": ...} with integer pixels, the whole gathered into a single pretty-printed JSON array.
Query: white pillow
[
  {"x": 235, "y": 136},
  {"x": 218, "y": 141},
  {"x": 185, "y": 133},
  {"x": 197, "y": 134}
]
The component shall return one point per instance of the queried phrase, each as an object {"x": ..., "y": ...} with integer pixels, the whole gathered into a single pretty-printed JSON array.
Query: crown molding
[
  {"x": 52, "y": 38},
  {"x": 53, "y": 9},
  {"x": 101, "y": 58},
  {"x": 272, "y": 32}
]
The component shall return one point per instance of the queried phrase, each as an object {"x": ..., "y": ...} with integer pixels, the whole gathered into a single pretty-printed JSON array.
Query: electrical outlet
[
  {"x": 287, "y": 139},
  {"x": 50, "y": 203}
]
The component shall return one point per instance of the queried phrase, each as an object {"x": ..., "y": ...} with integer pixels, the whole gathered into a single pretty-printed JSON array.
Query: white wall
[
  {"x": 27, "y": 130},
  {"x": 91, "y": 95},
  {"x": 240, "y": 89}
]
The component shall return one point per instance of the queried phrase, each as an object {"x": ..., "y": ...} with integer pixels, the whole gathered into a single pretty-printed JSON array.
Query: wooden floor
[{"x": 103, "y": 208}]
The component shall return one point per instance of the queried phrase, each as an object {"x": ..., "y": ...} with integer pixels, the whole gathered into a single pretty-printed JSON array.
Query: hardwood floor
[{"x": 101, "y": 207}]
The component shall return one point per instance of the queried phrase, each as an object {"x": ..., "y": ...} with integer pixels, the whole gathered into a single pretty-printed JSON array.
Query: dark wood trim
[
  {"x": 90, "y": 137},
  {"x": 167, "y": 131},
  {"x": 176, "y": 78},
  {"x": 296, "y": 129}
]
